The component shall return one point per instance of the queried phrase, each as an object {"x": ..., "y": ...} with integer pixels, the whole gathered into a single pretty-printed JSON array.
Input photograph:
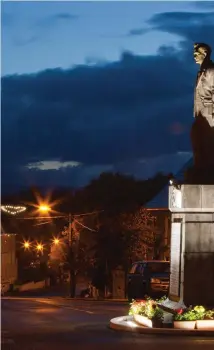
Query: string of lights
[{"x": 13, "y": 209}]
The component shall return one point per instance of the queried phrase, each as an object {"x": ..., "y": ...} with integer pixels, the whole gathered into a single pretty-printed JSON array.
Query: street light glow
[
  {"x": 26, "y": 245},
  {"x": 56, "y": 241},
  {"x": 44, "y": 208},
  {"x": 39, "y": 247}
]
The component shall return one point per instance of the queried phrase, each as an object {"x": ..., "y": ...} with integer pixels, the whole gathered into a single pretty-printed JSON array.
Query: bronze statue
[{"x": 202, "y": 133}]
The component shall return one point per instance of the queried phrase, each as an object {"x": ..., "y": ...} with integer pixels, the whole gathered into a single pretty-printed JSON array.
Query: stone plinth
[{"x": 192, "y": 244}]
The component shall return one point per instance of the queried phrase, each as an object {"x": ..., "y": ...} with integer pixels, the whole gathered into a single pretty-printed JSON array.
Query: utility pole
[
  {"x": 72, "y": 277},
  {"x": 73, "y": 246}
]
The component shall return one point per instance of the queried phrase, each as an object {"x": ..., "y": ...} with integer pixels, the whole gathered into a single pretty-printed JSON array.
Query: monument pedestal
[{"x": 192, "y": 246}]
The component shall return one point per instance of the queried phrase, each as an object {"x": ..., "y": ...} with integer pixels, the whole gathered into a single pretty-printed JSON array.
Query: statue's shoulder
[{"x": 210, "y": 67}]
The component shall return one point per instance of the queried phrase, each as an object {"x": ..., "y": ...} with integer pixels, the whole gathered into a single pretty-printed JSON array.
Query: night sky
[{"x": 100, "y": 86}]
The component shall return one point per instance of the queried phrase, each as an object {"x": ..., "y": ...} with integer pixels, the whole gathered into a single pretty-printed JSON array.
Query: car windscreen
[{"x": 136, "y": 269}]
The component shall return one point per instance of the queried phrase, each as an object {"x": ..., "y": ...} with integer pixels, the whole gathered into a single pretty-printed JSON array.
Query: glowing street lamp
[
  {"x": 39, "y": 247},
  {"x": 26, "y": 245},
  {"x": 44, "y": 208},
  {"x": 56, "y": 241}
]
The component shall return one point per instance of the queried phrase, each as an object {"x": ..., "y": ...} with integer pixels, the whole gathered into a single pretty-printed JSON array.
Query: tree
[
  {"x": 58, "y": 257},
  {"x": 58, "y": 252},
  {"x": 140, "y": 235}
]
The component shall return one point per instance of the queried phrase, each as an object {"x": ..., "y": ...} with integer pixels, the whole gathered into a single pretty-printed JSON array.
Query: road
[{"x": 56, "y": 323}]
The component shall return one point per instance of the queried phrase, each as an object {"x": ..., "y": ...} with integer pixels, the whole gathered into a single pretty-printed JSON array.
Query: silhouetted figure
[{"x": 202, "y": 133}]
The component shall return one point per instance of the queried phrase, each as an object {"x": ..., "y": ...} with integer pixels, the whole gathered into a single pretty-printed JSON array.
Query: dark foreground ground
[{"x": 50, "y": 324}]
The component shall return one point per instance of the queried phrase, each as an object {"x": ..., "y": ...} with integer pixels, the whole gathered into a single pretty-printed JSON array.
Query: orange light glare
[
  {"x": 44, "y": 208},
  {"x": 39, "y": 247},
  {"x": 56, "y": 241},
  {"x": 26, "y": 245}
]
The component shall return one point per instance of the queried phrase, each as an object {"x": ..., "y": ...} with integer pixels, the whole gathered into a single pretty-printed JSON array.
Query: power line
[
  {"x": 42, "y": 223},
  {"x": 59, "y": 216},
  {"x": 42, "y": 217},
  {"x": 88, "y": 228},
  {"x": 91, "y": 213}
]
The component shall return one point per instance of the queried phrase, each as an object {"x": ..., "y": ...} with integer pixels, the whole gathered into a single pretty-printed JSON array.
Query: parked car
[{"x": 149, "y": 278}]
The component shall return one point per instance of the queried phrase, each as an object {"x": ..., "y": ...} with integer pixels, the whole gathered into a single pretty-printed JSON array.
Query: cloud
[
  {"x": 52, "y": 165},
  {"x": 58, "y": 18},
  {"x": 76, "y": 110},
  {"x": 64, "y": 16},
  {"x": 190, "y": 26},
  {"x": 105, "y": 116},
  {"x": 138, "y": 31},
  {"x": 22, "y": 41}
]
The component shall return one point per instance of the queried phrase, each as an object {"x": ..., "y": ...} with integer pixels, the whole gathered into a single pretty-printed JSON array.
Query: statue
[{"x": 202, "y": 133}]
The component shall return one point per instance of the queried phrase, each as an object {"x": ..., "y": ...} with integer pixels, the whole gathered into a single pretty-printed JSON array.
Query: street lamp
[
  {"x": 56, "y": 241},
  {"x": 44, "y": 208},
  {"x": 39, "y": 247},
  {"x": 26, "y": 245}
]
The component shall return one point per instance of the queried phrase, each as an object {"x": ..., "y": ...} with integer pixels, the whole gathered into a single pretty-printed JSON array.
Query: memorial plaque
[{"x": 175, "y": 259}]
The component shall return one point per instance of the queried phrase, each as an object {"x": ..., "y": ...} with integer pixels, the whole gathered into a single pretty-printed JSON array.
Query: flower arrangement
[
  {"x": 209, "y": 315},
  {"x": 148, "y": 308},
  {"x": 193, "y": 314},
  {"x": 137, "y": 307}
]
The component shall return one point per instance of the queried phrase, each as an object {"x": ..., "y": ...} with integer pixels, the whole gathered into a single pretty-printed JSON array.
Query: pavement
[
  {"x": 57, "y": 323},
  {"x": 128, "y": 324}
]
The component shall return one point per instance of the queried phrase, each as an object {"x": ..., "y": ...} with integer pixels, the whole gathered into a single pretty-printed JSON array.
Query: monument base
[{"x": 192, "y": 246}]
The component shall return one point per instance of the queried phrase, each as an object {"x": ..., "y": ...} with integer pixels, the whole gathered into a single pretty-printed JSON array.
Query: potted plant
[
  {"x": 207, "y": 322},
  {"x": 147, "y": 313},
  {"x": 187, "y": 318}
]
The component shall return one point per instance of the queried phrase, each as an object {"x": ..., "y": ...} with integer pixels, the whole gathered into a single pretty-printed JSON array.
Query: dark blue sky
[{"x": 101, "y": 86}]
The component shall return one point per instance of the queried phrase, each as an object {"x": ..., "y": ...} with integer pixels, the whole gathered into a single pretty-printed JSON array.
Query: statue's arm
[
  {"x": 212, "y": 92},
  {"x": 209, "y": 99}
]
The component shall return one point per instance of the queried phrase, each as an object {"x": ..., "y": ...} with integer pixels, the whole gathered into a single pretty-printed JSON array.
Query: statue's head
[{"x": 202, "y": 52}]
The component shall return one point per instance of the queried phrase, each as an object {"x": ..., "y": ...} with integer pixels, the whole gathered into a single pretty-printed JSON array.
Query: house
[{"x": 9, "y": 266}]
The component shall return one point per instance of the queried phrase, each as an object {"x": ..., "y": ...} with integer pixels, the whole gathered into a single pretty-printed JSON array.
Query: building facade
[{"x": 9, "y": 265}]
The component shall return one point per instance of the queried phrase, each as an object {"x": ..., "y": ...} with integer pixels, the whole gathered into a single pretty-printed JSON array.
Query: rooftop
[{"x": 160, "y": 201}]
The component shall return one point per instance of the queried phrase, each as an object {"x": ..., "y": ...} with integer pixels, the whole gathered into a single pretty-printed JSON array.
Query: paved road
[{"x": 43, "y": 324}]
